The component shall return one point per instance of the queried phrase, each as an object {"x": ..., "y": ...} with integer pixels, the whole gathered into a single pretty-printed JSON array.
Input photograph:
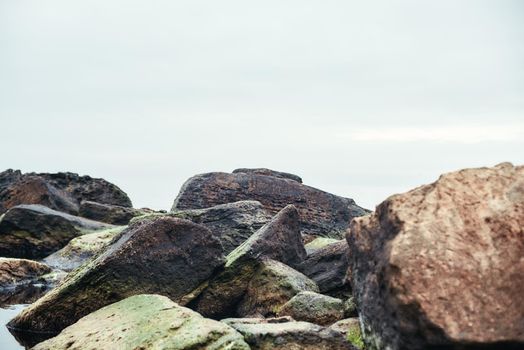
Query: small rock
[
  {"x": 319, "y": 242},
  {"x": 14, "y": 272},
  {"x": 350, "y": 328},
  {"x": 313, "y": 307},
  {"x": 111, "y": 214}
]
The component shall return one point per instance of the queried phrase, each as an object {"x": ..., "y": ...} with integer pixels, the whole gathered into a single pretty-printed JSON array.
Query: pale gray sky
[{"x": 361, "y": 98}]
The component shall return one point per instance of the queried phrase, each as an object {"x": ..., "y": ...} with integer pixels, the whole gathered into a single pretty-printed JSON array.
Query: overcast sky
[{"x": 361, "y": 98}]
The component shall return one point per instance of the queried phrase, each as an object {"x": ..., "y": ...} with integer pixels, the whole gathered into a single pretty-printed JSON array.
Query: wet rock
[
  {"x": 146, "y": 322},
  {"x": 441, "y": 265},
  {"x": 262, "y": 334},
  {"x": 272, "y": 285},
  {"x": 60, "y": 191},
  {"x": 35, "y": 231},
  {"x": 83, "y": 248},
  {"x": 111, "y": 214},
  {"x": 15, "y": 272},
  {"x": 269, "y": 172},
  {"x": 313, "y": 307},
  {"x": 328, "y": 266},
  {"x": 321, "y": 213},
  {"x": 164, "y": 255}
]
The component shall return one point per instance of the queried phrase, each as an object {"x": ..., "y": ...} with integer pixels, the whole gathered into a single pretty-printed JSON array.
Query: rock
[
  {"x": 442, "y": 266},
  {"x": 35, "y": 231},
  {"x": 272, "y": 285},
  {"x": 146, "y": 322},
  {"x": 111, "y": 214},
  {"x": 60, "y": 191},
  {"x": 14, "y": 272},
  {"x": 269, "y": 172},
  {"x": 278, "y": 240},
  {"x": 350, "y": 328},
  {"x": 327, "y": 266},
  {"x": 313, "y": 307},
  {"x": 232, "y": 223},
  {"x": 321, "y": 213},
  {"x": 319, "y": 242},
  {"x": 262, "y": 334},
  {"x": 83, "y": 248},
  {"x": 164, "y": 255}
]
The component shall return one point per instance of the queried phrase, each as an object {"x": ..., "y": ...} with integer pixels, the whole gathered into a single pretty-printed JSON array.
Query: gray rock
[
  {"x": 313, "y": 307},
  {"x": 111, "y": 214}
]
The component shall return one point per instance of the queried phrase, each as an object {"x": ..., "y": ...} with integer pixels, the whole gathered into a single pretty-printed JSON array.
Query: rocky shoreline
[{"x": 255, "y": 259}]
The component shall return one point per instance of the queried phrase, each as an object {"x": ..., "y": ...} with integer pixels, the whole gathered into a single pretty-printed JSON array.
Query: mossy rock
[{"x": 313, "y": 307}]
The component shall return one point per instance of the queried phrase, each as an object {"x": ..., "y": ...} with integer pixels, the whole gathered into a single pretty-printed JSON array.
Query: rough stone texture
[
  {"x": 60, "y": 191},
  {"x": 328, "y": 266},
  {"x": 232, "y": 223},
  {"x": 35, "y": 231},
  {"x": 146, "y": 322},
  {"x": 14, "y": 272},
  {"x": 112, "y": 214},
  {"x": 280, "y": 334},
  {"x": 271, "y": 287},
  {"x": 317, "y": 243},
  {"x": 166, "y": 256},
  {"x": 83, "y": 248},
  {"x": 442, "y": 265},
  {"x": 269, "y": 172},
  {"x": 278, "y": 240},
  {"x": 345, "y": 325},
  {"x": 313, "y": 307},
  {"x": 321, "y": 213}
]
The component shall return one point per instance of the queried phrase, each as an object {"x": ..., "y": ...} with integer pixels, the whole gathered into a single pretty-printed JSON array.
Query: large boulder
[
  {"x": 35, "y": 231},
  {"x": 313, "y": 307},
  {"x": 321, "y": 213},
  {"x": 283, "y": 334},
  {"x": 146, "y": 322},
  {"x": 442, "y": 265},
  {"x": 268, "y": 172},
  {"x": 112, "y": 214},
  {"x": 83, "y": 248},
  {"x": 60, "y": 191},
  {"x": 279, "y": 240},
  {"x": 165, "y": 255},
  {"x": 14, "y": 272},
  {"x": 231, "y": 223}
]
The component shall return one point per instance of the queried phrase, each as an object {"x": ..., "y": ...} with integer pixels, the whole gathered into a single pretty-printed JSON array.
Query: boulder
[
  {"x": 167, "y": 256},
  {"x": 60, "y": 191},
  {"x": 272, "y": 285},
  {"x": 112, "y": 214},
  {"x": 231, "y": 223},
  {"x": 321, "y": 213},
  {"x": 350, "y": 328},
  {"x": 441, "y": 265},
  {"x": 268, "y": 172},
  {"x": 146, "y": 322},
  {"x": 83, "y": 248},
  {"x": 313, "y": 307},
  {"x": 281, "y": 334},
  {"x": 279, "y": 240},
  {"x": 14, "y": 272},
  {"x": 35, "y": 231},
  {"x": 328, "y": 266}
]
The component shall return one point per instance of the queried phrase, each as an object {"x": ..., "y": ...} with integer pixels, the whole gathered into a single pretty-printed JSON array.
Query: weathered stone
[
  {"x": 442, "y": 266},
  {"x": 231, "y": 223},
  {"x": 14, "y": 272},
  {"x": 317, "y": 243},
  {"x": 273, "y": 334},
  {"x": 279, "y": 240},
  {"x": 34, "y": 231},
  {"x": 313, "y": 307},
  {"x": 350, "y": 328},
  {"x": 112, "y": 214},
  {"x": 60, "y": 191},
  {"x": 272, "y": 285},
  {"x": 321, "y": 213},
  {"x": 146, "y": 322},
  {"x": 328, "y": 266},
  {"x": 83, "y": 248},
  {"x": 269, "y": 172},
  {"x": 164, "y": 255}
]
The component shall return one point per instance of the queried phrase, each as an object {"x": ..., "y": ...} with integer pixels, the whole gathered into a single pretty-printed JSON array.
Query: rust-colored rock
[
  {"x": 321, "y": 213},
  {"x": 442, "y": 265}
]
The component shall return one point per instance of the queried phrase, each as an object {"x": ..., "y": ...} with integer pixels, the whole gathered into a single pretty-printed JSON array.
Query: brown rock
[
  {"x": 111, "y": 214},
  {"x": 321, "y": 213},
  {"x": 442, "y": 265},
  {"x": 17, "y": 271}
]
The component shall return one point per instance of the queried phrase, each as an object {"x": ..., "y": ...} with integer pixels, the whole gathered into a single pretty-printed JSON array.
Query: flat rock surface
[
  {"x": 313, "y": 307},
  {"x": 442, "y": 265}
]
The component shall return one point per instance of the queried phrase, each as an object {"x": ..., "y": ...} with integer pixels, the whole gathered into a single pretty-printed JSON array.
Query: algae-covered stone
[
  {"x": 165, "y": 255},
  {"x": 35, "y": 231},
  {"x": 280, "y": 334},
  {"x": 319, "y": 242},
  {"x": 271, "y": 287},
  {"x": 146, "y": 322},
  {"x": 112, "y": 214},
  {"x": 313, "y": 307},
  {"x": 350, "y": 328},
  {"x": 81, "y": 249}
]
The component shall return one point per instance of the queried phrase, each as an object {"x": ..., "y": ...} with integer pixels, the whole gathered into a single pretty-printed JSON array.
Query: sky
[{"x": 363, "y": 99}]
